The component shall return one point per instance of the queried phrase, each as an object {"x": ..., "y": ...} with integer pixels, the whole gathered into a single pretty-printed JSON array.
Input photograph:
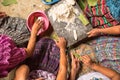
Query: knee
[
  {"x": 22, "y": 73},
  {"x": 22, "y": 69}
]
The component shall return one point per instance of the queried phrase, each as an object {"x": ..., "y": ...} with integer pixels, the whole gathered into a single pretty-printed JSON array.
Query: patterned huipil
[
  {"x": 45, "y": 60},
  {"x": 10, "y": 55},
  {"x": 106, "y": 14},
  {"x": 13, "y": 33}
]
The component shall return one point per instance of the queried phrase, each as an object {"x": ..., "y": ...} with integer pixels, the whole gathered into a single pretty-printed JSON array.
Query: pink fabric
[{"x": 10, "y": 55}]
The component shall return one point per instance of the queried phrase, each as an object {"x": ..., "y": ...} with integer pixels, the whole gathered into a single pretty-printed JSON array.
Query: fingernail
[{"x": 88, "y": 32}]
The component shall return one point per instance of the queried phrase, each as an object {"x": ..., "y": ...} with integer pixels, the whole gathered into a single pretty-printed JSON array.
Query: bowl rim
[{"x": 38, "y": 11}]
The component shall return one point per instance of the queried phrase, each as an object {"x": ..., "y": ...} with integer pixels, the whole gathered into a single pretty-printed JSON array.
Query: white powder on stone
[
  {"x": 72, "y": 2},
  {"x": 64, "y": 12}
]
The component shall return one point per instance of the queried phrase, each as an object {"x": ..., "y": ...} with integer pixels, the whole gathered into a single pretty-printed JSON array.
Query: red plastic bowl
[{"x": 33, "y": 16}]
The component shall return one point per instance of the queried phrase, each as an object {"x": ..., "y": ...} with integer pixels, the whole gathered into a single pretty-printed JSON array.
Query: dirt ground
[{"x": 22, "y": 9}]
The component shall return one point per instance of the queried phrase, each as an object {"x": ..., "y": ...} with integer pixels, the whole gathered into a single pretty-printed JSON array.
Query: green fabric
[
  {"x": 92, "y": 2},
  {"x": 81, "y": 4},
  {"x": 8, "y": 2},
  {"x": 83, "y": 19}
]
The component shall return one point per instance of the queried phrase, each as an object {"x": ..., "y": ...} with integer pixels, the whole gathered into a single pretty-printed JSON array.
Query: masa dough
[
  {"x": 64, "y": 12},
  {"x": 71, "y": 2}
]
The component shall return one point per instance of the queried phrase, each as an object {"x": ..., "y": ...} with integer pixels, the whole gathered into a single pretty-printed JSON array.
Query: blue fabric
[{"x": 114, "y": 6}]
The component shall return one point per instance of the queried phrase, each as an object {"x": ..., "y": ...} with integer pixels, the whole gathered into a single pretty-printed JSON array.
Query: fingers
[
  {"x": 61, "y": 39},
  {"x": 85, "y": 57},
  {"x": 39, "y": 22},
  {"x": 36, "y": 26},
  {"x": 94, "y": 32},
  {"x": 78, "y": 64},
  {"x": 57, "y": 41},
  {"x": 2, "y": 14},
  {"x": 72, "y": 57},
  {"x": 90, "y": 33},
  {"x": 61, "y": 43},
  {"x": 86, "y": 60}
]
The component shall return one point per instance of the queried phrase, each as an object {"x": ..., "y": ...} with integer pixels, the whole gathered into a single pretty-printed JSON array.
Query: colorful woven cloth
[
  {"x": 107, "y": 50},
  {"x": 100, "y": 15},
  {"x": 114, "y": 6},
  {"x": 83, "y": 49},
  {"x": 107, "y": 47},
  {"x": 10, "y": 55},
  {"x": 45, "y": 57}
]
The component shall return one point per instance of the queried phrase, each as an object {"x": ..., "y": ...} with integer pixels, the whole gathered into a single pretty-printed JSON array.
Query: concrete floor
[{"x": 22, "y": 9}]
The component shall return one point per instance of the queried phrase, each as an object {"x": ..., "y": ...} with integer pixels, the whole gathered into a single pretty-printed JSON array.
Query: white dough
[
  {"x": 75, "y": 34},
  {"x": 71, "y": 2},
  {"x": 64, "y": 12},
  {"x": 40, "y": 18}
]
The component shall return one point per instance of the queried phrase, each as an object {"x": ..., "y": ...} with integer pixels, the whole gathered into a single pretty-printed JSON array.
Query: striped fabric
[
  {"x": 10, "y": 55},
  {"x": 45, "y": 57},
  {"x": 100, "y": 15},
  {"x": 107, "y": 50},
  {"x": 107, "y": 47}
]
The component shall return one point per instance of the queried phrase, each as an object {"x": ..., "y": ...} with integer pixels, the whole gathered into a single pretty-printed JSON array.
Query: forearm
[
  {"x": 62, "y": 74},
  {"x": 106, "y": 71},
  {"x": 72, "y": 75},
  {"x": 31, "y": 44},
  {"x": 63, "y": 59},
  {"x": 111, "y": 30}
]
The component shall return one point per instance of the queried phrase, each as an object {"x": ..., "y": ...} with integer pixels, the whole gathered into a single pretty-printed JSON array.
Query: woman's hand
[
  {"x": 37, "y": 26},
  {"x": 61, "y": 43},
  {"x": 94, "y": 32},
  {"x": 62, "y": 73},
  {"x": 75, "y": 64},
  {"x": 75, "y": 67},
  {"x": 31, "y": 44},
  {"x": 87, "y": 61},
  {"x": 2, "y": 14}
]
